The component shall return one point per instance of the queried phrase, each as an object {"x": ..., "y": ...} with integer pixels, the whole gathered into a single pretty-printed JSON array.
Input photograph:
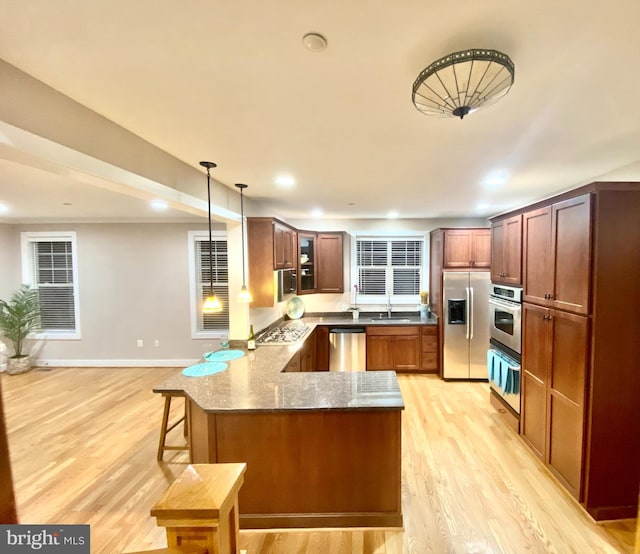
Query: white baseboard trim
[{"x": 114, "y": 363}]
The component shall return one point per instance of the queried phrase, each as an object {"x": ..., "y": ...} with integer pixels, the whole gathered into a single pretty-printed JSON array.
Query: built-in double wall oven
[{"x": 505, "y": 349}]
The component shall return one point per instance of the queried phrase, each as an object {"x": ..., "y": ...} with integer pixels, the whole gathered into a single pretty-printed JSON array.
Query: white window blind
[
  {"x": 389, "y": 266},
  {"x": 53, "y": 277},
  {"x": 218, "y": 321},
  {"x": 50, "y": 266}
]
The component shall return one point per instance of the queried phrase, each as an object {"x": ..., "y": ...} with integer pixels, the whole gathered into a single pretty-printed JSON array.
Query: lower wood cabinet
[
  {"x": 429, "y": 342},
  {"x": 308, "y": 354},
  {"x": 322, "y": 348},
  {"x": 394, "y": 347},
  {"x": 305, "y": 358},
  {"x": 554, "y": 363}
]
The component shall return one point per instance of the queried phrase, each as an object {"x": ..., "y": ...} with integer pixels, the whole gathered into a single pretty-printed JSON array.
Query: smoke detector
[{"x": 314, "y": 42}]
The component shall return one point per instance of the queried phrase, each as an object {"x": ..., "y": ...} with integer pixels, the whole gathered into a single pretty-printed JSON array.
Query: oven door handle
[{"x": 468, "y": 314}]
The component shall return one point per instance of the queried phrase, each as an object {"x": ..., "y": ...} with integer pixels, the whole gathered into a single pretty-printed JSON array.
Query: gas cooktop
[{"x": 284, "y": 334}]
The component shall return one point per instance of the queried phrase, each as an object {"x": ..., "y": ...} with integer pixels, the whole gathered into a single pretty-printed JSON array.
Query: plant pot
[
  {"x": 15, "y": 366},
  {"x": 355, "y": 314}
]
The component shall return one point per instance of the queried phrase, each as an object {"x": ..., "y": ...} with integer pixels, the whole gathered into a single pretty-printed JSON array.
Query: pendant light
[
  {"x": 244, "y": 295},
  {"x": 211, "y": 305}
]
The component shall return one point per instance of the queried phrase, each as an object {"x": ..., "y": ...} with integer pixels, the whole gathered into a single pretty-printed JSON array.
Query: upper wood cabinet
[
  {"x": 506, "y": 251},
  {"x": 557, "y": 255},
  {"x": 467, "y": 248},
  {"x": 285, "y": 246},
  {"x": 307, "y": 262},
  {"x": 330, "y": 262}
]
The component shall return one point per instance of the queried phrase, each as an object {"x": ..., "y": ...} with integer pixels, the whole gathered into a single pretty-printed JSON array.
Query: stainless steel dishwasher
[{"x": 347, "y": 349}]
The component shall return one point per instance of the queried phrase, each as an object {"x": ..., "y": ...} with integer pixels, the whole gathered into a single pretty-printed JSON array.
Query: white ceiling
[{"x": 231, "y": 82}]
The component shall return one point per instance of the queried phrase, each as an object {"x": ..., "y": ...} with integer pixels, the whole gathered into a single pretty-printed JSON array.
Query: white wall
[
  {"x": 133, "y": 284},
  {"x": 9, "y": 261}
]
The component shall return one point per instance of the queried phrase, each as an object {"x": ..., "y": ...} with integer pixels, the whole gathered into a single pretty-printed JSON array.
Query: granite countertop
[{"x": 256, "y": 383}]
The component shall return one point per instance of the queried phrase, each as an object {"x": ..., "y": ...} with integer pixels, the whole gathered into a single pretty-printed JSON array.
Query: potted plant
[
  {"x": 19, "y": 317},
  {"x": 355, "y": 311}
]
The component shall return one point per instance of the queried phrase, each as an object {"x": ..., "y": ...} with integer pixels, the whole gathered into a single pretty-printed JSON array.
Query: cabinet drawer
[
  {"x": 429, "y": 343},
  {"x": 388, "y": 330},
  {"x": 429, "y": 361},
  {"x": 429, "y": 330}
]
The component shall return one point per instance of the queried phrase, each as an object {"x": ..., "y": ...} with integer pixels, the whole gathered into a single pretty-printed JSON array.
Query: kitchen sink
[{"x": 391, "y": 319}]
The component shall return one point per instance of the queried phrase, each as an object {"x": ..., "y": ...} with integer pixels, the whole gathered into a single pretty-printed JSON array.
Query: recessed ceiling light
[
  {"x": 392, "y": 214},
  {"x": 4, "y": 208},
  {"x": 316, "y": 213},
  {"x": 494, "y": 180},
  {"x": 159, "y": 205},
  {"x": 314, "y": 42},
  {"x": 285, "y": 181}
]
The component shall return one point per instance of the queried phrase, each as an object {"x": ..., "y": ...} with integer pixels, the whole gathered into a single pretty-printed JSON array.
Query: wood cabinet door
[
  {"x": 307, "y": 265},
  {"x": 457, "y": 248},
  {"x": 537, "y": 256},
  {"x": 330, "y": 270},
  {"x": 481, "y": 248},
  {"x": 571, "y": 232},
  {"x": 308, "y": 354},
  {"x": 506, "y": 251},
  {"x": 536, "y": 357},
  {"x": 294, "y": 364},
  {"x": 406, "y": 352},
  {"x": 498, "y": 263},
  {"x": 284, "y": 246},
  {"x": 322, "y": 348},
  {"x": 513, "y": 251},
  {"x": 379, "y": 352},
  {"x": 278, "y": 246},
  {"x": 567, "y": 389}
]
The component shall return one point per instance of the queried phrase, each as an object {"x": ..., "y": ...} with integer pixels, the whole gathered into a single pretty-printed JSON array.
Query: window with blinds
[
  {"x": 50, "y": 267},
  {"x": 389, "y": 266},
  {"x": 218, "y": 321},
  {"x": 53, "y": 277}
]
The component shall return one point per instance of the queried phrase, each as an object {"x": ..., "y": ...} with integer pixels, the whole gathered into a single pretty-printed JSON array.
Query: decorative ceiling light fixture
[
  {"x": 244, "y": 295},
  {"x": 211, "y": 305},
  {"x": 463, "y": 82}
]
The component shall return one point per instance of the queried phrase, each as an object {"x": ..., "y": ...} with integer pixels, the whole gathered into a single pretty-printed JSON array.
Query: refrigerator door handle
[
  {"x": 468, "y": 310},
  {"x": 471, "y": 312}
]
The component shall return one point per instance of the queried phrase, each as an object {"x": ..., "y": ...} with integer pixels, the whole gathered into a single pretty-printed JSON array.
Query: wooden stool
[
  {"x": 165, "y": 428},
  {"x": 201, "y": 508}
]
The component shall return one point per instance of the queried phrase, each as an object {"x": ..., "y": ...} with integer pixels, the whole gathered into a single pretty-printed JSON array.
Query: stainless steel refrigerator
[{"x": 465, "y": 305}]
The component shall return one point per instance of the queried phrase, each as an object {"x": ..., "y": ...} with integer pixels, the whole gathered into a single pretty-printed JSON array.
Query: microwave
[{"x": 286, "y": 284}]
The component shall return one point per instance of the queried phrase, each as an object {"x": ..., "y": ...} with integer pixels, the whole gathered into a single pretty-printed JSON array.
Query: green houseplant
[{"x": 18, "y": 317}]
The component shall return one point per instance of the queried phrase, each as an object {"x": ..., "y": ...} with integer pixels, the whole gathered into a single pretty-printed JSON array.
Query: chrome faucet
[{"x": 389, "y": 305}]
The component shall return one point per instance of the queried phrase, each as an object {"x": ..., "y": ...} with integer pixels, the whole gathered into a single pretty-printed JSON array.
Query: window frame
[
  {"x": 194, "y": 299},
  {"x": 28, "y": 239},
  {"x": 396, "y": 300}
]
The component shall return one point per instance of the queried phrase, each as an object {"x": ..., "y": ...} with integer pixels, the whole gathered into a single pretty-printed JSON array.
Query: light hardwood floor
[{"x": 83, "y": 449}]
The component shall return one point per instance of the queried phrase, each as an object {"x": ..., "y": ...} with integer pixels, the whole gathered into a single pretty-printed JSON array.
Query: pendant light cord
[
  {"x": 210, "y": 234},
  {"x": 244, "y": 280}
]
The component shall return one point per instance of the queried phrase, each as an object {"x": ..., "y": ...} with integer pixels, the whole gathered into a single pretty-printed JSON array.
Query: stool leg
[
  {"x": 186, "y": 419},
  {"x": 163, "y": 428}
]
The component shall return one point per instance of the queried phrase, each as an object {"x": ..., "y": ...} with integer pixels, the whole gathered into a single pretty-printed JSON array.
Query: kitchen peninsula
[{"x": 323, "y": 449}]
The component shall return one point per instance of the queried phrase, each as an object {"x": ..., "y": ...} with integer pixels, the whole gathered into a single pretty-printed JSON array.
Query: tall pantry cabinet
[{"x": 581, "y": 342}]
